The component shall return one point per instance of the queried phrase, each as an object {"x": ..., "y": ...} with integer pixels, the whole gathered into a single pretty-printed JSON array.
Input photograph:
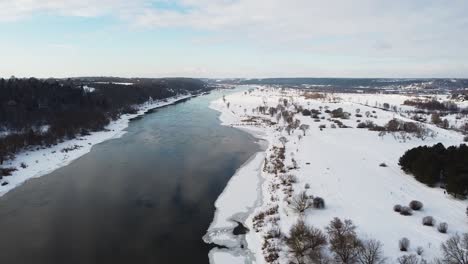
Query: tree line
[
  {"x": 439, "y": 165},
  {"x": 36, "y": 112}
]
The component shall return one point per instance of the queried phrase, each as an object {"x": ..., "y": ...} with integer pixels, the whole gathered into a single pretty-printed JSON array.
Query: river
[{"x": 147, "y": 197}]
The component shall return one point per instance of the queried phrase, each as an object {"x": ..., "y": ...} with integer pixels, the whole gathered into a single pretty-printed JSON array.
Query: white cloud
[
  {"x": 415, "y": 32},
  {"x": 360, "y": 27},
  {"x": 12, "y": 10}
]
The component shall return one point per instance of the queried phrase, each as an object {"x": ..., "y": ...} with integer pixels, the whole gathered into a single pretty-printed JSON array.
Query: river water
[{"x": 147, "y": 197}]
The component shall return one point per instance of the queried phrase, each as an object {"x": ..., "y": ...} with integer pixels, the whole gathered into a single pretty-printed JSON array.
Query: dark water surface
[{"x": 144, "y": 198}]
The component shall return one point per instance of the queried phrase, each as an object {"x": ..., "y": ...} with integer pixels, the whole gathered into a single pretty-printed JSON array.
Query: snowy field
[
  {"x": 42, "y": 161},
  {"x": 340, "y": 165}
]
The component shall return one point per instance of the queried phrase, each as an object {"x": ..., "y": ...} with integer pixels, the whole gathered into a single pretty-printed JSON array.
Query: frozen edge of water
[{"x": 220, "y": 230}]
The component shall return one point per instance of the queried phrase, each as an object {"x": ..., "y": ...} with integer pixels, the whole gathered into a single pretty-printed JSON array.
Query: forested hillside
[{"x": 44, "y": 112}]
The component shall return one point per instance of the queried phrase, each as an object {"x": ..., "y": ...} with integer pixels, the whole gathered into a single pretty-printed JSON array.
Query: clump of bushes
[
  {"x": 404, "y": 244},
  {"x": 339, "y": 113},
  {"x": 442, "y": 228},
  {"x": 416, "y": 205},
  {"x": 428, "y": 221},
  {"x": 417, "y": 129},
  {"x": 367, "y": 124},
  {"x": 318, "y": 203},
  {"x": 432, "y": 105},
  {"x": 397, "y": 208},
  {"x": 405, "y": 210}
]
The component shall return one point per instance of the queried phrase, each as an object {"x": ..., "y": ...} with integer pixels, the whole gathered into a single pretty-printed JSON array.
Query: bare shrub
[
  {"x": 408, "y": 259},
  {"x": 455, "y": 249},
  {"x": 397, "y": 208},
  {"x": 287, "y": 179},
  {"x": 405, "y": 210},
  {"x": 428, "y": 221},
  {"x": 307, "y": 186},
  {"x": 283, "y": 140},
  {"x": 370, "y": 252},
  {"x": 344, "y": 243},
  {"x": 305, "y": 242},
  {"x": 274, "y": 232},
  {"x": 419, "y": 251},
  {"x": 367, "y": 124},
  {"x": 416, "y": 205},
  {"x": 300, "y": 202},
  {"x": 442, "y": 227},
  {"x": 319, "y": 203},
  {"x": 404, "y": 244}
]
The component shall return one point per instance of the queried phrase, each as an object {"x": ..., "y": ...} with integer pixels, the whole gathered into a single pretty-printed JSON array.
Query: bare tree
[
  {"x": 301, "y": 202},
  {"x": 455, "y": 249},
  {"x": 370, "y": 252},
  {"x": 283, "y": 140},
  {"x": 408, "y": 259},
  {"x": 343, "y": 240},
  {"x": 304, "y": 128},
  {"x": 306, "y": 243}
]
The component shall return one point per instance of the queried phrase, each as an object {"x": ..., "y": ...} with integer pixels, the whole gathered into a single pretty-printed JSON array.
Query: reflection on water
[{"x": 144, "y": 198}]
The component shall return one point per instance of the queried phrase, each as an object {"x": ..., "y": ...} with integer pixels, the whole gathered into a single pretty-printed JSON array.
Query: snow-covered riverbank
[
  {"x": 41, "y": 161},
  {"x": 339, "y": 164}
]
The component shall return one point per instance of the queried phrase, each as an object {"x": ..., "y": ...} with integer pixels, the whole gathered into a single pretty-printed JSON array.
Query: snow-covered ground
[
  {"x": 340, "y": 165},
  {"x": 41, "y": 161},
  {"x": 395, "y": 101}
]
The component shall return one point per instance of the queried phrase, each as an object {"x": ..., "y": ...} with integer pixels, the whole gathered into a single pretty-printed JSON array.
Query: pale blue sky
[{"x": 234, "y": 38}]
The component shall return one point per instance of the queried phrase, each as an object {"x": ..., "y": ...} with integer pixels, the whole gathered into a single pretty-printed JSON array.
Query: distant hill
[{"x": 362, "y": 82}]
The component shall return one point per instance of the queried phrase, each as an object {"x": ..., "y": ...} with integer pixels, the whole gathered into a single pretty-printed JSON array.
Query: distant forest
[
  {"x": 439, "y": 165},
  {"x": 36, "y": 112},
  {"x": 359, "y": 82}
]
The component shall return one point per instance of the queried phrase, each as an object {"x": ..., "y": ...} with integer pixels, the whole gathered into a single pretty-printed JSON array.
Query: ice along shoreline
[
  {"x": 232, "y": 208},
  {"x": 41, "y": 161}
]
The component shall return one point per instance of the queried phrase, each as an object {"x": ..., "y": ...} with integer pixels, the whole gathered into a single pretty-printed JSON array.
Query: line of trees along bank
[{"x": 45, "y": 112}]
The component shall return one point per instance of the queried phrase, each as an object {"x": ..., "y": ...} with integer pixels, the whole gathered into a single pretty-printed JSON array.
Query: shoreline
[
  {"x": 42, "y": 161},
  {"x": 229, "y": 207}
]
